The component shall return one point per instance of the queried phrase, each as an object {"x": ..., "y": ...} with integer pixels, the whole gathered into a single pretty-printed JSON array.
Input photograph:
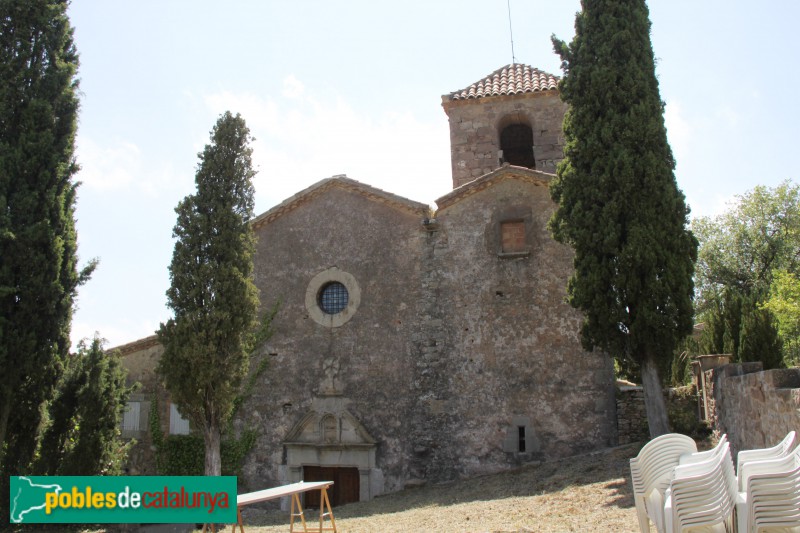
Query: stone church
[{"x": 414, "y": 345}]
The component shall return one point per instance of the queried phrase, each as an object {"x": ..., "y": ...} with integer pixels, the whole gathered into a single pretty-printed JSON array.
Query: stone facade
[
  {"x": 454, "y": 344},
  {"x": 475, "y": 131},
  {"x": 755, "y": 408},
  {"x": 140, "y": 358},
  {"x": 454, "y": 352}
]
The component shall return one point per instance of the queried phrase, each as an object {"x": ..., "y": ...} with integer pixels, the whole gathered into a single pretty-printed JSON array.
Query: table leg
[
  {"x": 296, "y": 503},
  {"x": 324, "y": 503},
  {"x": 238, "y": 521}
]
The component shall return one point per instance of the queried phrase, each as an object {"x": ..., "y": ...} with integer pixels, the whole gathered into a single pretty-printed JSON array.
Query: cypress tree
[
  {"x": 83, "y": 437},
  {"x": 212, "y": 295},
  {"x": 619, "y": 206},
  {"x": 38, "y": 243},
  {"x": 759, "y": 339}
]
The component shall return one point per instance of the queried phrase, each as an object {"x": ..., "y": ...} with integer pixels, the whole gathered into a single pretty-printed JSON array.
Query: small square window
[{"x": 512, "y": 235}]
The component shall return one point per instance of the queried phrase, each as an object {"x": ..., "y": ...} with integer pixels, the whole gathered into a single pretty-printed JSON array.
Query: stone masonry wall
[
  {"x": 461, "y": 357},
  {"x": 364, "y": 366},
  {"x": 631, "y": 415},
  {"x": 632, "y": 425},
  {"x": 513, "y": 355},
  {"x": 475, "y": 127},
  {"x": 756, "y": 409}
]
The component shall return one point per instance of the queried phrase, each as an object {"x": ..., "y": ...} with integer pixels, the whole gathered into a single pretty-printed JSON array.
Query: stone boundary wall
[
  {"x": 755, "y": 408},
  {"x": 632, "y": 416}
]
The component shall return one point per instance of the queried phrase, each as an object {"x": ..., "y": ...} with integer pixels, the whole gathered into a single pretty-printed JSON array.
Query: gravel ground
[{"x": 586, "y": 493}]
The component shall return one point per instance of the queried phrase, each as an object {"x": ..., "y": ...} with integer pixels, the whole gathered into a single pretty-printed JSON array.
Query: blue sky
[{"x": 354, "y": 87}]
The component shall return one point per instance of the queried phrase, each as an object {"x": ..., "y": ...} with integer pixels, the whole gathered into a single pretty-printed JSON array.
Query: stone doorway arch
[{"x": 330, "y": 437}]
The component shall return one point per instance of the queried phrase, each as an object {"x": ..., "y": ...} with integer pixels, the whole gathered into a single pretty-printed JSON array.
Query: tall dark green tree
[
  {"x": 83, "y": 436},
  {"x": 619, "y": 206},
  {"x": 38, "y": 245},
  {"x": 212, "y": 295},
  {"x": 759, "y": 338},
  {"x": 739, "y": 325}
]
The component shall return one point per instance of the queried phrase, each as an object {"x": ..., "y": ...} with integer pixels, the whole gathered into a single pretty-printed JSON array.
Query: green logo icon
[{"x": 122, "y": 499}]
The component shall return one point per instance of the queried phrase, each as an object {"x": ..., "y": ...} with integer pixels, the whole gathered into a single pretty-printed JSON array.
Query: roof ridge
[
  {"x": 514, "y": 78},
  {"x": 497, "y": 175},
  {"x": 342, "y": 181}
]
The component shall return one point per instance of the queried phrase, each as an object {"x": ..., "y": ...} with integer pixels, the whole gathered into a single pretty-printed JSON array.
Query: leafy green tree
[
  {"x": 784, "y": 303},
  {"x": 743, "y": 247},
  {"x": 747, "y": 255},
  {"x": 619, "y": 206},
  {"x": 83, "y": 437},
  {"x": 212, "y": 295},
  {"x": 38, "y": 244}
]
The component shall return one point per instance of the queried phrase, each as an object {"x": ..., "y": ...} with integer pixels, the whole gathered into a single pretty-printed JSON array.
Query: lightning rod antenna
[{"x": 511, "y": 33}]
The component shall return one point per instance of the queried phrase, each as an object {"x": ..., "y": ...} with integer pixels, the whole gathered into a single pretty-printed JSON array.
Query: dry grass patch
[{"x": 586, "y": 493}]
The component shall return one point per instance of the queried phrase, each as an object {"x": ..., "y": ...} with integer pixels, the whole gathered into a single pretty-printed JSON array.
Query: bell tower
[{"x": 512, "y": 116}]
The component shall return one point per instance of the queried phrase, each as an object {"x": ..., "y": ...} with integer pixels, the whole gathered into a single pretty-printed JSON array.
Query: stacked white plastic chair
[
  {"x": 699, "y": 457},
  {"x": 651, "y": 472},
  {"x": 771, "y": 497},
  {"x": 745, "y": 457},
  {"x": 702, "y": 494}
]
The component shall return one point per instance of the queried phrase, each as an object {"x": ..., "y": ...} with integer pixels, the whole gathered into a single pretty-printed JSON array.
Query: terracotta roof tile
[{"x": 508, "y": 80}]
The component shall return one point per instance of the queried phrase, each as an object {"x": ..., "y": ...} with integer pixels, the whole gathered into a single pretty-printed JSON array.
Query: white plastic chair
[
  {"x": 651, "y": 471},
  {"x": 772, "y": 497},
  {"x": 698, "y": 457},
  {"x": 778, "y": 516},
  {"x": 774, "y": 502},
  {"x": 702, "y": 494},
  {"x": 748, "y": 456}
]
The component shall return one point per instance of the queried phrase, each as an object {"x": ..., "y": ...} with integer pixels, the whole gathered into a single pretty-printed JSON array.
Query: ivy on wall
[{"x": 184, "y": 455}]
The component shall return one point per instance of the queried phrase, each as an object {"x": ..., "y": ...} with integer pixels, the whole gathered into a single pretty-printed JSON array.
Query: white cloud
[
  {"x": 107, "y": 167},
  {"x": 709, "y": 205},
  {"x": 679, "y": 131},
  {"x": 302, "y": 138},
  {"x": 120, "y": 165},
  {"x": 292, "y": 87}
]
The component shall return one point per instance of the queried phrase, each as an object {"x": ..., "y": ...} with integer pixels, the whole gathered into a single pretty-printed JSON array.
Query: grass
[{"x": 591, "y": 492}]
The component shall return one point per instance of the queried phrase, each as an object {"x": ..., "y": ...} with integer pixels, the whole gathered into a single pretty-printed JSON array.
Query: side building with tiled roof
[{"x": 413, "y": 346}]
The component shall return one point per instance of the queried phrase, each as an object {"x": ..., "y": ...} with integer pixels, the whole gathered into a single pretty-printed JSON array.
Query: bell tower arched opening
[
  {"x": 516, "y": 143},
  {"x": 509, "y": 116}
]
